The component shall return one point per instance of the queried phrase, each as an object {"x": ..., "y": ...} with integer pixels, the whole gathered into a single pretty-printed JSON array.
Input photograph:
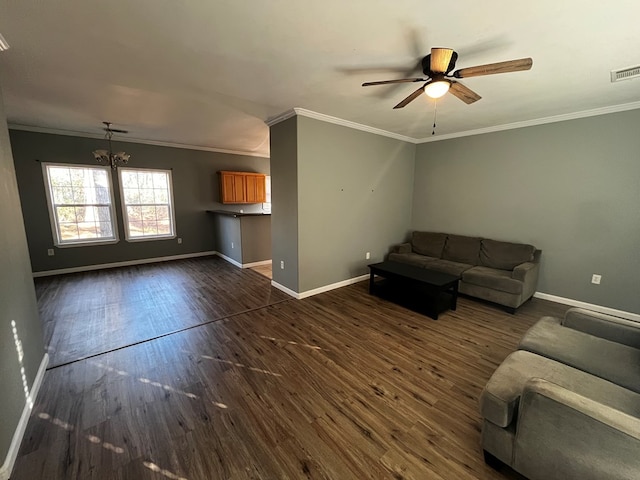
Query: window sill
[
  {"x": 149, "y": 239},
  {"x": 86, "y": 244}
]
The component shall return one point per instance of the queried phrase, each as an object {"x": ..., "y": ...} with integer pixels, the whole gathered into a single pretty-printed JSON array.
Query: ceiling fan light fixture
[{"x": 437, "y": 89}]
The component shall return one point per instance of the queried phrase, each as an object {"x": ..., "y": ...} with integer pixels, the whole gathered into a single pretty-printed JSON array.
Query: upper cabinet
[{"x": 242, "y": 187}]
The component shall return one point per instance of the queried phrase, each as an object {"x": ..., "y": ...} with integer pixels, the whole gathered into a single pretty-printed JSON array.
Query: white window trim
[
  {"x": 57, "y": 242},
  {"x": 125, "y": 217}
]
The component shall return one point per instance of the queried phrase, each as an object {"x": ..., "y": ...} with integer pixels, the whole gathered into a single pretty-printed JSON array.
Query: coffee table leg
[{"x": 371, "y": 275}]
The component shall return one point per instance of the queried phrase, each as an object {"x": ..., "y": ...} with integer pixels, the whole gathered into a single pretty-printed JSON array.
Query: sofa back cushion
[
  {"x": 428, "y": 243},
  {"x": 462, "y": 249},
  {"x": 505, "y": 255}
]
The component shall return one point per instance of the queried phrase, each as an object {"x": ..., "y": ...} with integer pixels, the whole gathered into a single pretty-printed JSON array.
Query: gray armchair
[{"x": 567, "y": 404}]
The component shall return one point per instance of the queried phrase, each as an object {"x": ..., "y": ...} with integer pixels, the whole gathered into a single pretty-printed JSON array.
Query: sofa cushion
[
  {"x": 447, "y": 266},
  {"x": 462, "y": 249},
  {"x": 500, "y": 397},
  {"x": 505, "y": 255},
  {"x": 428, "y": 243},
  {"x": 612, "y": 361},
  {"x": 411, "y": 259},
  {"x": 493, "y": 278}
]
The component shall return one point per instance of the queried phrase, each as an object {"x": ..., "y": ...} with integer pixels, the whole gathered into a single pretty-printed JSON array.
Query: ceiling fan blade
[
  {"x": 400, "y": 80},
  {"x": 465, "y": 94},
  {"x": 440, "y": 58},
  {"x": 493, "y": 68},
  {"x": 411, "y": 97}
]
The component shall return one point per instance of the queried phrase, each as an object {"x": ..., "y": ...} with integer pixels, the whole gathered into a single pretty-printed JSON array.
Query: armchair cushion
[
  {"x": 609, "y": 360},
  {"x": 619, "y": 330}
]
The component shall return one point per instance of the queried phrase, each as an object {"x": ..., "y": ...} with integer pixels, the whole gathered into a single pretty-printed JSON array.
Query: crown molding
[
  {"x": 537, "y": 121},
  {"x": 337, "y": 121},
  {"x": 72, "y": 133},
  {"x": 281, "y": 117}
]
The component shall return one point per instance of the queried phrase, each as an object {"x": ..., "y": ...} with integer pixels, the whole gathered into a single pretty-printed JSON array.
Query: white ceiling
[{"x": 209, "y": 73}]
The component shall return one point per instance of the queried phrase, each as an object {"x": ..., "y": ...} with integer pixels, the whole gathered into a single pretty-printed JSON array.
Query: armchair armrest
[
  {"x": 615, "y": 329},
  {"x": 561, "y": 434},
  {"x": 401, "y": 248}
]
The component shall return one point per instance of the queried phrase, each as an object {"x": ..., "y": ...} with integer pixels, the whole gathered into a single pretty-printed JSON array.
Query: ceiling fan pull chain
[{"x": 435, "y": 114}]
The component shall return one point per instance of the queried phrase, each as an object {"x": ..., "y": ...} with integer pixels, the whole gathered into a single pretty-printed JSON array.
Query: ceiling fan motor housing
[{"x": 426, "y": 65}]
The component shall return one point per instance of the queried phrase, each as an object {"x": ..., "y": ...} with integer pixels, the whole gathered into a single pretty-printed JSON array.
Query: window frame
[
  {"x": 171, "y": 204},
  {"x": 53, "y": 216}
]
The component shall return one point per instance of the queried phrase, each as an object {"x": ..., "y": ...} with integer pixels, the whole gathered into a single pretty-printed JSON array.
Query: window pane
[
  {"x": 147, "y": 199},
  {"x": 131, "y": 196},
  {"x": 134, "y": 213},
  {"x": 164, "y": 228},
  {"x": 81, "y": 199},
  {"x": 160, "y": 180},
  {"x": 161, "y": 196},
  {"x": 146, "y": 196}
]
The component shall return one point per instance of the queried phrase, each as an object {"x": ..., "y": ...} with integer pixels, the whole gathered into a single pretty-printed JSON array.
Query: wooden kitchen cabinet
[{"x": 242, "y": 187}]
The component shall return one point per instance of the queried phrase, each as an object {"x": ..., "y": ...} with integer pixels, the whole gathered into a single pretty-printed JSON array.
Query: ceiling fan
[{"x": 437, "y": 65}]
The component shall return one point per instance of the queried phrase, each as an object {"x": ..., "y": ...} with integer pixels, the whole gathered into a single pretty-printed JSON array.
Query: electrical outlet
[
  {"x": 281, "y": 264},
  {"x": 179, "y": 240},
  {"x": 595, "y": 279},
  {"x": 232, "y": 245},
  {"x": 367, "y": 255},
  {"x": 51, "y": 252}
]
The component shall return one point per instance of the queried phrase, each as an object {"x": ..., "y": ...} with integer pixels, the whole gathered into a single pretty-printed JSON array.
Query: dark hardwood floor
[
  {"x": 342, "y": 385},
  {"x": 85, "y": 314}
]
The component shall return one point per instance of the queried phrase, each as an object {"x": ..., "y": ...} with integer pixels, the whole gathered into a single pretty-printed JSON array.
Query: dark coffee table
[{"x": 426, "y": 288}]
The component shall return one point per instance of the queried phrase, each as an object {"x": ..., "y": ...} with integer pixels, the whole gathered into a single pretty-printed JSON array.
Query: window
[
  {"x": 80, "y": 204},
  {"x": 147, "y": 204}
]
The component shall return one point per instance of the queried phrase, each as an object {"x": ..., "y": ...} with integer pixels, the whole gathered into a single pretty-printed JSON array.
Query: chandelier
[{"x": 107, "y": 156}]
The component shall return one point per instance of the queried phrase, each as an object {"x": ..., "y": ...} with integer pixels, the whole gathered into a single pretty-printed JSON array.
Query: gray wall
[
  {"x": 17, "y": 299},
  {"x": 284, "y": 202},
  {"x": 570, "y": 188},
  {"x": 354, "y": 196},
  {"x": 195, "y": 190},
  {"x": 228, "y": 236},
  {"x": 256, "y": 238}
]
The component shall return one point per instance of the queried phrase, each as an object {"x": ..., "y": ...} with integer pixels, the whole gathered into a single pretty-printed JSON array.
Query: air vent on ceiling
[{"x": 625, "y": 73}]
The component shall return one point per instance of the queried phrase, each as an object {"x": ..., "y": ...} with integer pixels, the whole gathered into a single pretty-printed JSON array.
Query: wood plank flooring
[
  {"x": 134, "y": 304},
  {"x": 342, "y": 385}
]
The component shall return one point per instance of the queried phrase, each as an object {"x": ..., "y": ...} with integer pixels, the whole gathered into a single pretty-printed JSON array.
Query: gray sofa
[
  {"x": 500, "y": 272},
  {"x": 567, "y": 404}
]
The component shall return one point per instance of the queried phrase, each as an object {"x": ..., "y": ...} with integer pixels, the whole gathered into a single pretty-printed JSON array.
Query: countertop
[{"x": 237, "y": 214}]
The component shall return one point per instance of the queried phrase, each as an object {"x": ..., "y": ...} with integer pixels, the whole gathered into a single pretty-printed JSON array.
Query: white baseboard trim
[
  {"x": 128, "y": 263},
  {"x": 256, "y": 264},
  {"x": 588, "y": 306},
  {"x": 316, "y": 291},
  {"x": 242, "y": 265},
  {"x": 229, "y": 259},
  {"x": 12, "y": 454},
  {"x": 286, "y": 290}
]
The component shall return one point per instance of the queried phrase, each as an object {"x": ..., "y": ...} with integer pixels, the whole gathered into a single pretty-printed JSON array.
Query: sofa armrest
[
  {"x": 528, "y": 274},
  {"x": 615, "y": 329},
  {"x": 561, "y": 434},
  {"x": 401, "y": 248},
  {"x": 521, "y": 271}
]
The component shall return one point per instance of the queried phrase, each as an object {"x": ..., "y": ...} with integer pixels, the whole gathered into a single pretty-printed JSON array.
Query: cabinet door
[
  {"x": 227, "y": 188},
  {"x": 239, "y": 189},
  {"x": 232, "y": 187},
  {"x": 256, "y": 191}
]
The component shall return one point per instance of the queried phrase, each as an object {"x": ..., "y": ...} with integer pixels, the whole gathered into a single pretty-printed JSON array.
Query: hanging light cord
[{"x": 435, "y": 115}]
